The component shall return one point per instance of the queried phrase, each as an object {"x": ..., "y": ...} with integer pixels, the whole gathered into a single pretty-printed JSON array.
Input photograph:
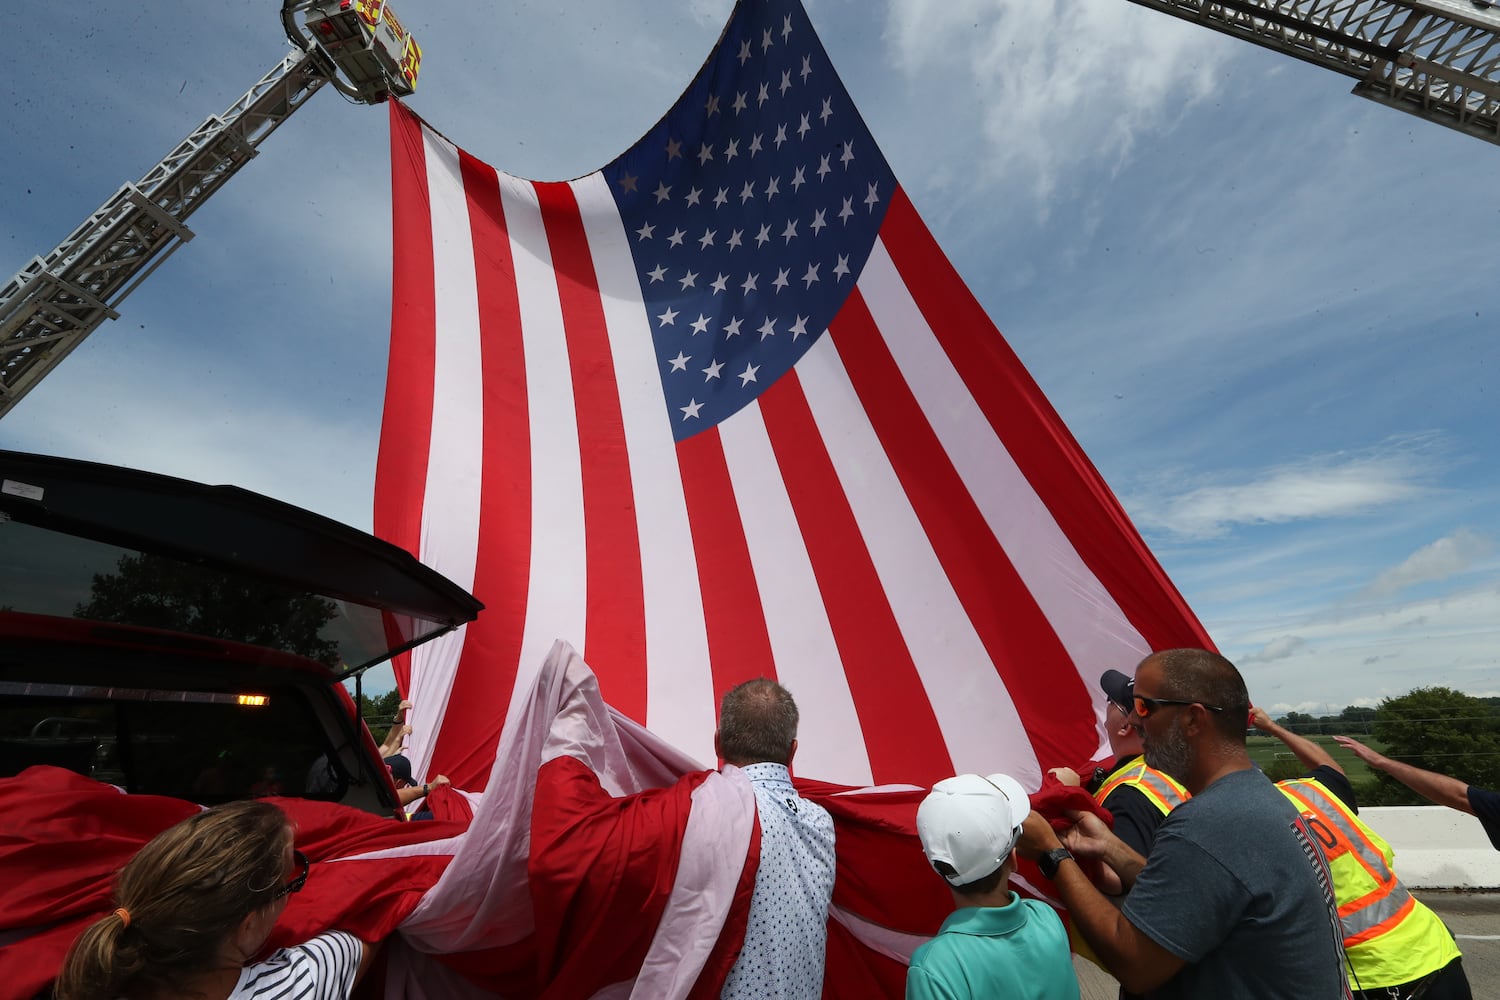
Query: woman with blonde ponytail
[{"x": 194, "y": 910}]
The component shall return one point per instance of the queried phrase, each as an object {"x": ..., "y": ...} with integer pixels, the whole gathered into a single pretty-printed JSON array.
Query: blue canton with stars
[{"x": 750, "y": 208}]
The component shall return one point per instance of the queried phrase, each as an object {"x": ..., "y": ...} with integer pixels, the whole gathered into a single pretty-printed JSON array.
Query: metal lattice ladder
[
  {"x": 56, "y": 301},
  {"x": 1436, "y": 59}
]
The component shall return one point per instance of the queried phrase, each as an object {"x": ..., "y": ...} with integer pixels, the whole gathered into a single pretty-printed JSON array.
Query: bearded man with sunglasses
[{"x": 1235, "y": 899}]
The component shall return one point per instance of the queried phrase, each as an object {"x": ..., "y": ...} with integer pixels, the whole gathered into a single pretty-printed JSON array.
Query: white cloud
[
  {"x": 1325, "y": 486},
  {"x": 1444, "y": 558},
  {"x": 1277, "y": 649},
  {"x": 1056, "y": 82}
]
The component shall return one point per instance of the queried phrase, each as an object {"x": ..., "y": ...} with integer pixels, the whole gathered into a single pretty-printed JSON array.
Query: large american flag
[{"x": 723, "y": 409}]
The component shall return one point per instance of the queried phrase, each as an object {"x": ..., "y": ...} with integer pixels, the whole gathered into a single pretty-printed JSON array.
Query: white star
[
  {"x": 747, "y": 192},
  {"x": 781, "y": 278},
  {"x": 739, "y": 102},
  {"x": 790, "y": 230},
  {"x": 734, "y": 239},
  {"x": 700, "y": 325},
  {"x": 872, "y": 199},
  {"x": 768, "y": 328},
  {"x": 818, "y": 221},
  {"x": 823, "y": 168},
  {"x": 675, "y": 239},
  {"x": 848, "y": 154},
  {"x": 720, "y": 283},
  {"x": 713, "y": 369},
  {"x": 786, "y": 27},
  {"x": 627, "y": 183},
  {"x": 732, "y": 328},
  {"x": 689, "y": 280},
  {"x": 721, "y": 197},
  {"x": 847, "y": 210},
  {"x": 669, "y": 317},
  {"x": 679, "y": 363},
  {"x": 780, "y": 135},
  {"x": 691, "y": 410},
  {"x": 786, "y": 82},
  {"x": 827, "y": 111},
  {"x": 744, "y": 55},
  {"x": 645, "y": 231},
  {"x": 764, "y": 95},
  {"x": 812, "y": 274},
  {"x": 755, "y": 144},
  {"x": 748, "y": 375},
  {"x": 712, "y": 106},
  {"x": 657, "y": 273},
  {"x": 705, "y": 153},
  {"x": 765, "y": 40},
  {"x": 799, "y": 178},
  {"x": 694, "y": 195},
  {"x": 806, "y": 68},
  {"x": 662, "y": 192},
  {"x": 842, "y": 267},
  {"x": 773, "y": 188},
  {"x": 707, "y": 239},
  {"x": 799, "y": 327},
  {"x": 674, "y": 149},
  {"x": 732, "y": 150},
  {"x": 762, "y": 236},
  {"x": 803, "y": 127},
  {"x": 749, "y": 284}
]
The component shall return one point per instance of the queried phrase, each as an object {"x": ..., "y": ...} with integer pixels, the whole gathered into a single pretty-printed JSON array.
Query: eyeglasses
[
  {"x": 1145, "y": 706},
  {"x": 295, "y": 885}
]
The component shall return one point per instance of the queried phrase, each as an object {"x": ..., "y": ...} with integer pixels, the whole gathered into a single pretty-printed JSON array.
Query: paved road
[{"x": 1473, "y": 917}]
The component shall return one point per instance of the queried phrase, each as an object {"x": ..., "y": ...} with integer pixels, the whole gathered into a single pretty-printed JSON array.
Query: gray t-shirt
[{"x": 1237, "y": 888}]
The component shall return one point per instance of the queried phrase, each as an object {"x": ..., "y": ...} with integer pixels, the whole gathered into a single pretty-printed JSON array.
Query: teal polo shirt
[{"x": 1019, "y": 951}]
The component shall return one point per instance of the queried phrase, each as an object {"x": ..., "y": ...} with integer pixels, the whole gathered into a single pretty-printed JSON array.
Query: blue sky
[{"x": 1268, "y": 309}]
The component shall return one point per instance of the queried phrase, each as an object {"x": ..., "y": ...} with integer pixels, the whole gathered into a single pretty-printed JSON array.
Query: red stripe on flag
[
  {"x": 1038, "y": 440},
  {"x": 902, "y": 735},
  {"x": 1049, "y": 696},
  {"x": 615, "y": 633},
  {"x": 492, "y": 643},
  {"x": 739, "y": 647},
  {"x": 406, "y": 427}
]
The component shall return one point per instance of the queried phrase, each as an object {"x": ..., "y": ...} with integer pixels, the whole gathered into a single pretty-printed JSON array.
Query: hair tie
[{"x": 124, "y": 916}]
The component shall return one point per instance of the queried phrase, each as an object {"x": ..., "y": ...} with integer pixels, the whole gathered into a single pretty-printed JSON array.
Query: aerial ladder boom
[
  {"x": 57, "y": 300},
  {"x": 1436, "y": 59}
]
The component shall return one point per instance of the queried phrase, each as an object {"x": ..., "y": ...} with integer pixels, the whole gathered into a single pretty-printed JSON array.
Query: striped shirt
[{"x": 321, "y": 969}]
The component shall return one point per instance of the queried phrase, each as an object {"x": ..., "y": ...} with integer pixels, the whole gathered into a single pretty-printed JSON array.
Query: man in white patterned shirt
[{"x": 787, "y": 933}]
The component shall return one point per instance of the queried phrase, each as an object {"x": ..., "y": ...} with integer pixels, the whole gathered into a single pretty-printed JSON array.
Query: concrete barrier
[{"x": 1437, "y": 848}]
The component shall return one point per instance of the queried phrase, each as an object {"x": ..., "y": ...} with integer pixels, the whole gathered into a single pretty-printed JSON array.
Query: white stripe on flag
[
  {"x": 679, "y": 686},
  {"x": 830, "y": 743},
  {"x": 450, "y": 509},
  {"x": 980, "y": 724},
  {"x": 556, "y": 600},
  {"x": 1042, "y": 554}
]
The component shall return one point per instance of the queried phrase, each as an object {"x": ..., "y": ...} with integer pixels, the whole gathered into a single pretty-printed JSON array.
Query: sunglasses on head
[
  {"x": 300, "y": 879},
  {"x": 1145, "y": 706}
]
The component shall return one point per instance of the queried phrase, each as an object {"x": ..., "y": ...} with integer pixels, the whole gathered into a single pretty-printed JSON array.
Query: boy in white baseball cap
[{"x": 994, "y": 943}]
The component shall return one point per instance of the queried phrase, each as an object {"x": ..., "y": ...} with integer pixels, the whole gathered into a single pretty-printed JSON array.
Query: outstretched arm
[
  {"x": 1439, "y": 788},
  {"x": 1309, "y": 753}
]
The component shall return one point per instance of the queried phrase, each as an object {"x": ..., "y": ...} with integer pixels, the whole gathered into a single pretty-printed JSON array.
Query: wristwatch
[{"x": 1048, "y": 862}]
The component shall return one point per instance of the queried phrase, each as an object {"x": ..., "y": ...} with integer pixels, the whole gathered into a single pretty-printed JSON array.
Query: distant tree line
[{"x": 1435, "y": 728}]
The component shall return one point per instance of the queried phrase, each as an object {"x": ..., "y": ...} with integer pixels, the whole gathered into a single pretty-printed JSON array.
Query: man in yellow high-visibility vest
[
  {"x": 1395, "y": 945},
  {"x": 1137, "y": 796}
]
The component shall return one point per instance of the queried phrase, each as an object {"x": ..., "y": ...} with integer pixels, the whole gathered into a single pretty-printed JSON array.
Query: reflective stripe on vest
[
  {"x": 1371, "y": 898},
  {"x": 1163, "y": 792}
]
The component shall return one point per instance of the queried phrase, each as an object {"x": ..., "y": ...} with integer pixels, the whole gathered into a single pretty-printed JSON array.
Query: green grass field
[{"x": 1265, "y": 751}]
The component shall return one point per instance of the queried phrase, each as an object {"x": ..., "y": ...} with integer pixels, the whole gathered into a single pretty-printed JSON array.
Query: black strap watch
[{"x": 1048, "y": 862}]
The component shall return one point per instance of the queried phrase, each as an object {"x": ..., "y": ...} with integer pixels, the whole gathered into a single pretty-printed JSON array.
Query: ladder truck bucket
[{"x": 374, "y": 53}]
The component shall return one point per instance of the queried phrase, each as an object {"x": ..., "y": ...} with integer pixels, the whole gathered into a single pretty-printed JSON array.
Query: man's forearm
[
  {"x": 1310, "y": 754},
  {"x": 1114, "y": 939},
  {"x": 1439, "y": 788}
]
